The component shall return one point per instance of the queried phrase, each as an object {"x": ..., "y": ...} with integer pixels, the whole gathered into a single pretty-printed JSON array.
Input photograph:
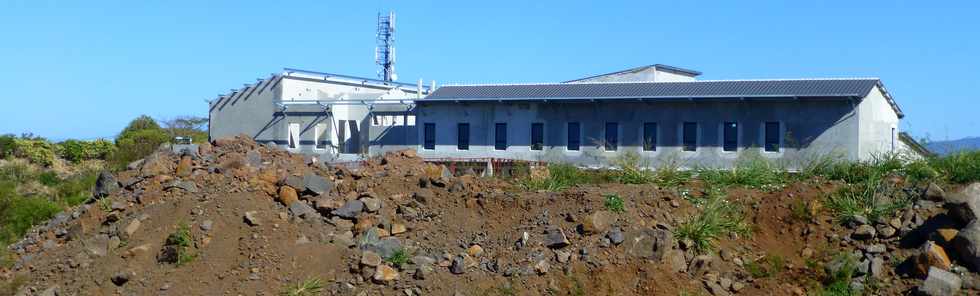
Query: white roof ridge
[{"x": 664, "y": 82}]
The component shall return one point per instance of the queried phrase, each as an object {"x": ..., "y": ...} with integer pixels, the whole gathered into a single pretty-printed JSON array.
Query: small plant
[
  {"x": 105, "y": 204},
  {"x": 863, "y": 199},
  {"x": 800, "y": 211},
  {"x": 614, "y": 203},
  {"x": 838, "y": 281},
  {"x": 308, "y": 287},
  {"x": 178, "y": 244},
  {"x": 631, "y": 169},
  {"x": 767, "y": 266},
  {"x": 718, "y": 217},
  {"x": 399, "y": 258},
  {"x": 669, "y": 173},
  {"x": 750, "y": 170},
  {"x": 560, "y": 177}
]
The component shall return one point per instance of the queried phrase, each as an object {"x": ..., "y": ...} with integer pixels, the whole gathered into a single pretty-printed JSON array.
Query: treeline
[{"x": 141, "y": 137}]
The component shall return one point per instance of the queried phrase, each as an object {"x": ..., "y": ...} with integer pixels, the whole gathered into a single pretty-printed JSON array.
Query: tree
[
  {"x": 193, "y": 127},
  {"x": 140, "y": 138}
]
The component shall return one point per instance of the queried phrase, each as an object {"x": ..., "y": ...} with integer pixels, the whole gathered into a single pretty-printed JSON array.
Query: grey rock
[
  {"x": 51, "y": 291},
  {"x": 967, "y": 245},
  {"x": 555, "y": 238},
  {"x": 302, "y": 210},
  {"x": 877, "y": 267},
  {"x": 252, "y": 219},
  {"x": 371, "y": 204},
  {"x": 458, "y": 265},
  {"x": 188, "y": 186},
  {"x": 649, "y": 243},
  {"x": 675, "y": 261},
  {"x": 838, "y": 263},
  {"x": 105, "y": 185},
  {"x": 940, "y": 283},
  {"x": 253, "y": 158},
  {"x": 964, "y": 206},
  {"x": 876, "y": 249},
  {"x": 98, "y": 245},
  {"x": 885, "y": 231},
  {"x": 296, "y": 182},
  {"x": 700, "y": 265},
  {"x": 207, "y": 225},
  {"x": 864, "y": 232},
  {"x": 316, "y": 184},
  {"x": 616, "y": 236},
  {"x": 715, "y": 289},
  {"x": 350, "y": 210},
  {"x": 935, "y": 193},
  {"x": 424, "y": 195}
]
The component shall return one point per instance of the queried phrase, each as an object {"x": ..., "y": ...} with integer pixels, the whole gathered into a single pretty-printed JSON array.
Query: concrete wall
[
  {"x": 258, "y": 116},
  {"x": 878, "y": 126},
  {"x": 809, "y": 128}
]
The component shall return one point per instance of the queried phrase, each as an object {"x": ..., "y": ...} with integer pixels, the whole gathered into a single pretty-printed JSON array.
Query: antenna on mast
[{"x": 384, "y": 53}]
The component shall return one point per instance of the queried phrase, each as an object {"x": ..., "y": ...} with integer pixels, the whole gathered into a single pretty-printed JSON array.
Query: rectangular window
[
  {"x": 341, "y": 136},
  {"x": 650, "y": 136},
  {"x": 320, "y": 136},
  {"x": 293, "y": 135},
  {"x": 612, "y": 136},
  {"x": 355, "y": 137},
  {"x": 574, "y": 136},
  {"x": 690, "y": 134},
  {"x": 730, "y": 136},
  {"x": 463, "y": 136},
  {"x": 772, "y": 136},
  {"x": 500, "y": 136},
  {"x": 430, "y": 136},
  {"x": 537, "y": 136},
  {"x": 410, "y": 120},
  {"x": 376, "y": 120}
]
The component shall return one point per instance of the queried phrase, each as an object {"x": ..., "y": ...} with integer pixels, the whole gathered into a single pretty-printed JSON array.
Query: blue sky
[{"x": 83, "y": 69}]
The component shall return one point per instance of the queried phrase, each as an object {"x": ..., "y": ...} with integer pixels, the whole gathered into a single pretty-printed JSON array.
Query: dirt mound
[{"x": 240, "y": 218}]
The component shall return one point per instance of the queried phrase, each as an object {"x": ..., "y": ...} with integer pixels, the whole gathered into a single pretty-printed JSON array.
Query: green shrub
[
  {"x": 399, "y": 258},
  {"x": 76, "y": 189},
  {"x": 19, "y": 214},
  {"x": 717, "y": 217},
  {"x": 7, "y": 145},
  {"x": 181, "y": 239},
  {"x": 614, "y": 203},
  {"x": 838, "y": 283},
  {"x": 37, "y": 151},
  {"x": 48, "y": 178},
  {"x": 631, "y": 169},
  {"x": 136, "y": 145},
  {"x": 961, "y": 167},
  {"x": 76, "y": 150},
  {"x": 767, "y": 266}
]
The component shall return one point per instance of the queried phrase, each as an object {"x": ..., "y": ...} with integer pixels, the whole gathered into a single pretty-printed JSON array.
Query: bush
[
  {"x": 76, "y": 150},
  {"x": 864, "y": 199},
  {"x": 399, "y": 258},
  {"x": 135, "y": 145},
  {"x": 767, "y": 266},
  {"x": 181, "y": 241},
  {"x": 961, "y": 167},
  {"x": 19, "y": 214},
  {"x": 6, "y": 145},
  {"x": 37, "y": 151},
  {"x": 718, "y": 217}
]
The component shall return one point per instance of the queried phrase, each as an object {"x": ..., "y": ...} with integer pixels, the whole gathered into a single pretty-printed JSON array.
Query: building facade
[{"x": 662, "y": 113}]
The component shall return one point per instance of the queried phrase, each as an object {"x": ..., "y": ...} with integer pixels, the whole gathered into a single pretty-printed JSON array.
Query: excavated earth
[{"x": 262, "y": 220}]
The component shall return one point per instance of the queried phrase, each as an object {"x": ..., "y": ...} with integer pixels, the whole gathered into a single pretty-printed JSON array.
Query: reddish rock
[
  {"x": 287, "y": 195},
  {"x": 184, "y": 167},
  {"x": 931, "y": 255}
]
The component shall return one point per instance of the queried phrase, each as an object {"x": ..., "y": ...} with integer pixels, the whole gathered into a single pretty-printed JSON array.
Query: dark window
[
  {"x": 537, "y": 136},
  {"x": 500, "y": 136},
  {"x": 612, "y": 136},
  {"x": 574, "y": 136},
  {"x": 772, "y": 136},
  {"x": 730, "y": 135},
  {"x": 342, "y": 136},
  {"x": 463, "y": 136},
  {"x": 690, "y": 131},
  {"x": 650, "y": 136},
  {"x": 430, "y": 136}
]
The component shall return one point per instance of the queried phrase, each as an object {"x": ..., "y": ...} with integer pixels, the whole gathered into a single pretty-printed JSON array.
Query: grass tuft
[
  {"x": 398, "y": 259},
  {"x": 308, "y": 287},
  {"x": 767, "y": 266},
  {"x": 864, "y": 199},
  {"x": 181, "y": 240},
  {"x": 718, "y": 217},
  {"x": 614, "y": 203}
]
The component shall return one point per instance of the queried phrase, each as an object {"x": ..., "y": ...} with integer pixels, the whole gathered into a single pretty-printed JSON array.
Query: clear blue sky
[{"x": 84, "y": 69}]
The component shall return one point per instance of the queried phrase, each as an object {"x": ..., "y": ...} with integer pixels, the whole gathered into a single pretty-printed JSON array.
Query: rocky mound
[{"x": 239, "y": 218}]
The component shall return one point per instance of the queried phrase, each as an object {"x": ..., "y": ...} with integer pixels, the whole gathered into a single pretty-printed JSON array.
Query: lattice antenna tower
[{"x": 384, "y": 53}]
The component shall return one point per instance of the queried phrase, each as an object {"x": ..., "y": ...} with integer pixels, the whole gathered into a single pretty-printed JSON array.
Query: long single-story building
[{"x": 663, "y": 113}]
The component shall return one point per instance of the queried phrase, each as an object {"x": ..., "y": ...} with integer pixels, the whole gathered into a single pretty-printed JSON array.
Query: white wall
[{"x": 877, "y": 126}]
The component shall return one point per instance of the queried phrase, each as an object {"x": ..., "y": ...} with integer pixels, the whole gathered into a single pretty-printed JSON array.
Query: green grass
[
  {"x": 750, "y": 170},
  {"x": 718, "y": 217},
  {"x": 19, "y": 213},
  {"x": 800, "y": 211},
  {"x": 561, "y": 177},
  {"x": 632, "y": 169},
  {"x": 839, "y": 283},
  {"x": 399, "y": 258},
  {"x": 961, "y": 168},
  {"x": 669, "y": 173},
  {"x": 182, "y": 240},
  {"x": 864, "y": 199},
  {"x": 13, "y": 285},
  {"x": 308, "y": 287},
  {"x": 767, "y": 266},
  {"x": 614, "y": 203}
]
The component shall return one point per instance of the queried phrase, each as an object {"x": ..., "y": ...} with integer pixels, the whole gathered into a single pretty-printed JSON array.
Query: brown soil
[{"x": 235, "y": 258}]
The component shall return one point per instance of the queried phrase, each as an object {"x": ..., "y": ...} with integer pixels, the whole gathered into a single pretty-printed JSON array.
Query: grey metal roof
[
  {"x": 653, "y": 90},
  {"x": 716, "y": 89}
]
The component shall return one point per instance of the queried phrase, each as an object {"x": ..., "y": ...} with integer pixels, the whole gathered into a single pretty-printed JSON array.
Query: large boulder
[
  {"x": 964, "y": 206},
  {"x": 967, "y": 245},
  {"x": 649, "y": 243},
  {"x": 156, "y": 164},
  {"x": 930, "y": 255},
  {"x": 941, "y": 283},
  {"x": 105, "y": 185},
  {"x": 316, "y": 184}
]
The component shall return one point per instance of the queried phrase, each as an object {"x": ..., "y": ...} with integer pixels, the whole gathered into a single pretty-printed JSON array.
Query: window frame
[
  {"x": 425, "y": 136},
  {"x": 683, "y": 136},
  {"x": 724, "y": 139},
  {"x": 779, "y": 137},
  {"x": 605, "y": 136},
  {"x": 531, "y": 144},
  {"x": 496, "y": 136},
  {"x": 643, "y": 136},
  {"x": 578, "y": 136},
  {"x": 463, "y": 142}
]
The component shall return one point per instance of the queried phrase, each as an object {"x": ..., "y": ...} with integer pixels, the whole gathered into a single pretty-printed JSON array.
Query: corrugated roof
[
  {"x": 705, "y": 89},
  {"x": 651, "y": 90}
]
